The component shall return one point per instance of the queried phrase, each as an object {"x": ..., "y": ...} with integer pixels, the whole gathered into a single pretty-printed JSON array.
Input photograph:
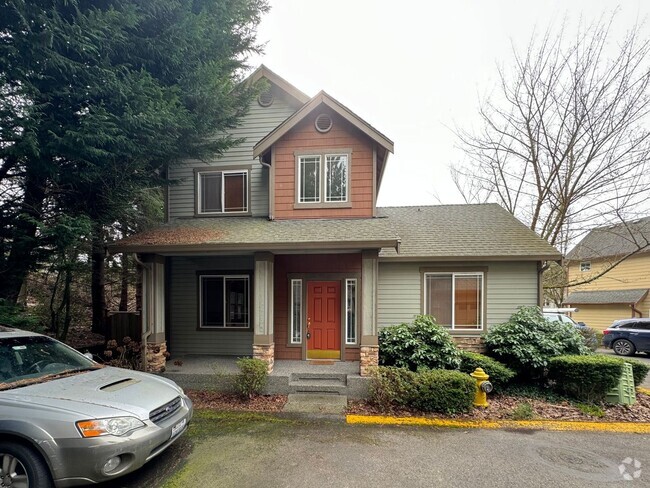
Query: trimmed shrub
[
  {"x": 586, "y": 378},
  {"x": 391, "y": 387},
  {"x": 590, "y": 336},
  {"x": 639, "y": 370},
  {"x": 420, "y": 344},
  {"x": 444, "y": 391},
  {"x": 500, "y": 374},
  {"x": 252, "y": 377},
  {"x": 528, "y": 341}
]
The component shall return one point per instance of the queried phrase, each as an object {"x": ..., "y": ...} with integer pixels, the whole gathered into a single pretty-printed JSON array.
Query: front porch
[{"x": 203, "y": 372}]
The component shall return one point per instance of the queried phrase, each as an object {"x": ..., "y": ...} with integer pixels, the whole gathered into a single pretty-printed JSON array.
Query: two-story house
[
  {"x": 278, "y": 249},
  {"x": 612, "y": 265}
]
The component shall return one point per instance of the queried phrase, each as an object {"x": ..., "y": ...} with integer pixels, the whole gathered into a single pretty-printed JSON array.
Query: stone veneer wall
[
  {"x": 156, "y": 357},
  {"x": 369, "y": 358},
  {"x": 473, "y": 344},
  {"x": 266, "y": 353}
]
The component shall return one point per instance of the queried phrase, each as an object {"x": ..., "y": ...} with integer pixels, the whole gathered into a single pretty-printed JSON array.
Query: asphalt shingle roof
[
  {"x": 443, "y": 231},
  {"x": 464, "y": 231},
  {"x": 614, "y": 240},
  {"x": 606, "y": 297}
]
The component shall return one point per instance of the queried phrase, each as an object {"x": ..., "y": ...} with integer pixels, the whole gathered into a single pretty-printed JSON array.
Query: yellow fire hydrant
[{"x": 483, "y": 387}]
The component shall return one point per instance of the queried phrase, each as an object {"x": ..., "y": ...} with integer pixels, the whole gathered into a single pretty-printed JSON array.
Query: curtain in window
[
  {"x": 235, "y": 197},
  {"x": 467, "y": 302},
  {"x": 210, "y": 192}
]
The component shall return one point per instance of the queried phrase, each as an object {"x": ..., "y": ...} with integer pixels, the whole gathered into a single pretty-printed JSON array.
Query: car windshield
[{"x": 32, "y": 359}]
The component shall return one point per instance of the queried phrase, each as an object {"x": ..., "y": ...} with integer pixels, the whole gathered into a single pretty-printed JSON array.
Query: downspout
[{"x": 147, "y": 312}]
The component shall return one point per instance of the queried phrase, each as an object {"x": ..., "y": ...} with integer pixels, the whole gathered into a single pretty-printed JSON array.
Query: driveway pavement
[
  {"x": 645, "y": 358},
  {"x": 242, "y": 451}
]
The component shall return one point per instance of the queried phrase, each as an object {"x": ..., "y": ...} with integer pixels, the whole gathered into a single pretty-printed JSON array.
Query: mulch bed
[
  {"x": 501, "y": 407},
  {"x": 228, "y": 401}
]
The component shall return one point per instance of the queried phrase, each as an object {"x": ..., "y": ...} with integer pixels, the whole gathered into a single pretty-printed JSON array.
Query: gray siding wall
[
  {"x": 509, "y": 285},
  {"x": 255, "y": 125},
  {"x": 184, "y": 312}
]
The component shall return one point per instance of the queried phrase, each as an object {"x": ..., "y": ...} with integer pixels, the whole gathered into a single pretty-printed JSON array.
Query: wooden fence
[{"x": 124, "y": 324}]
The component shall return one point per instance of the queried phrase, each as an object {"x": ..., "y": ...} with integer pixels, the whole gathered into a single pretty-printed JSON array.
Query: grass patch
[
  {"x": 523, "y": 411},
  {"x": 591, "y": 410}
]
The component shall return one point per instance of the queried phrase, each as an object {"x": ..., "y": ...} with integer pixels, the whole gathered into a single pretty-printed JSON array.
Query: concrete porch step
[
  {"x": 318, "y": 382},
  {"x": 321, "y": 403}
]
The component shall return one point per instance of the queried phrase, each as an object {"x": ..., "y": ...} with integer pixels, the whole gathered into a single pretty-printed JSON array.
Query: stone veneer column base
[
  {"x": 369, "y": 359},
  {"x": 156, "y": 357},
  {"x": 473, "y": 344},
  {"x": 266, "y": 353}
]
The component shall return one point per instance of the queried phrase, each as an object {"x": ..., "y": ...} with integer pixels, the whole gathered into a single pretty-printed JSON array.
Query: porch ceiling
[{"x": 260, "y": 234}]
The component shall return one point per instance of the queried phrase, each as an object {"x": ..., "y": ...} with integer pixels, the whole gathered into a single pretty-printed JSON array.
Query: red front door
[{"x": 324, "y": 320}]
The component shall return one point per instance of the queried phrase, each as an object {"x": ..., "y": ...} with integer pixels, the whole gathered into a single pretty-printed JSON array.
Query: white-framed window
[
  {"x": 296, "y": 312},
  {"x": 585, "y": 266},
  {"x": 220, "y": 192},
  {"x": 351, "y": 311},
  {"x": 323, "y": 178},
  {"x": 224, "y": 301},
  {"x": 455, "y": 300}
]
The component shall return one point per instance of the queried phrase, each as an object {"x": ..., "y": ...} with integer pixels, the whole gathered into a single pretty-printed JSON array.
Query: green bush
[
  {"x": 590, "y": 336},
  {"x": 16, "y": 316},
  {"x": 639, "y": 370},
  {"x": 438, "y": 390},
  {"x": 252, "y": 377},
  {"x": 391, "y": 387},
  {"x": 523, "y": 411},
  {"x": 500, "y": 374},
  {"x": 422, "y": 343},
  {"x": 586, "y": 378},
  {"x": 528, "y": 341}
]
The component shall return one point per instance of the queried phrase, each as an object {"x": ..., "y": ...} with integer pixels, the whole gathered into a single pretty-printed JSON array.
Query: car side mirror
[
  {"x": 89, "y": 355},
  {"x": 582, "y": 324}
]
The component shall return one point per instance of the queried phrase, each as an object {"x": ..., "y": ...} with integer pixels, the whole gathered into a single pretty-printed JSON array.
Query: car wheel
[
  {"x": 21, "y": 467},
  {"x": 623, "y": 347}
]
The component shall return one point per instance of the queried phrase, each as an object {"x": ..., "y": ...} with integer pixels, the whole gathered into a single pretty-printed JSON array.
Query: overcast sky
[{"x": 414, "y": 68}]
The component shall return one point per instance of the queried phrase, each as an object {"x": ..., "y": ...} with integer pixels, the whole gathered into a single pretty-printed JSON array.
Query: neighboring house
[
  {"x": 278, "y": 250},
  {"x": 620, "y": 293}
]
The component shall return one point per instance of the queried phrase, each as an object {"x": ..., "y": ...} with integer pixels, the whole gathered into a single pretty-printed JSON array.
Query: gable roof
[
  {"x": 322, "y": 98},
  {"x": 614, "y": 240},
  {"x": 607, "y": 297},
  {"x": 264, "y": 72},
  {"x": 464, "y": 232}
]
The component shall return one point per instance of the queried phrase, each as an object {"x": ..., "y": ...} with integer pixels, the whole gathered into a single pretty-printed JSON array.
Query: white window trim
[
  {"x": 356, "y": 312},
  {"x": 322, "y": 187},
  {"x": 453, "y": 296},
  {"x": 224, "y": 276},
  {"x": 223, "y": 191},
  {"x": 320, "y": 176},
  {"x": 347, "y": 178},
  {"x": 291, "y": 305},
  {"x": 587, "y": 266}
]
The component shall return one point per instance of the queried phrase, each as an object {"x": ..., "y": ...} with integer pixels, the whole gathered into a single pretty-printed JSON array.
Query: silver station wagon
[{"x": 68, "y": 421}]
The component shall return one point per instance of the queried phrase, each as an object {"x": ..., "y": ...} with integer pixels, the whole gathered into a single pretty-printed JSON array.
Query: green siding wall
[
  {"x": 509, "y": 285},
  {"x": 254, "y": 126},
  {"x": 183, "y": 312}
]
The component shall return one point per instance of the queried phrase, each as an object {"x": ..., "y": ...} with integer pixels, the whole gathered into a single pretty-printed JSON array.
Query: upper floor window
[
  {"x": 323, "y": 178},
  {"x": 222, "y": 191},
  {"x": 585, "y": 266}
]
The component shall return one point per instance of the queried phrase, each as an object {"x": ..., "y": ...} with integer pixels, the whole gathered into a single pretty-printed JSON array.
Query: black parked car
[{"x": 628, "y": 336}]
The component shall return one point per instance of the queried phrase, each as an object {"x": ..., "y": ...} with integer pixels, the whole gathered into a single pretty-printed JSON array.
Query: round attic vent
[
  {"x": 265, "y": 99},
  {"x": 323, "y": 123}
]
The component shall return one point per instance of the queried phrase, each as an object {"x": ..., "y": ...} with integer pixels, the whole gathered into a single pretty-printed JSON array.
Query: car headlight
[{"x": 112, "y": 426}]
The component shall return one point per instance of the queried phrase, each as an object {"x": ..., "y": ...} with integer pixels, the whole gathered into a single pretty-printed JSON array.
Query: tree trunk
[
  {"x": 98, "y": 280},
  {"x": 22, "y": 257},
  {"x": 124, "y": 285}
]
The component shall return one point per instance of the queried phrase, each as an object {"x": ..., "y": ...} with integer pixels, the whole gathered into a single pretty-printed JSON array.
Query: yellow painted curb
[
  {"x": 645, "y": 391},
  {"x": 558, "y": 425}
]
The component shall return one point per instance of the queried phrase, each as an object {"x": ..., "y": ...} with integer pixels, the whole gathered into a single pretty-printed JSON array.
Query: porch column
[
  {"x": 263, "y": 345},
  {"x": 153, "y": 313},
  {"x": 369, "y": 351}
]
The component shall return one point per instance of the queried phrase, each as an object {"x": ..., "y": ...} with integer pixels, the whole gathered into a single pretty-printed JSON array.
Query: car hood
[{"x": 107, "y": 389}]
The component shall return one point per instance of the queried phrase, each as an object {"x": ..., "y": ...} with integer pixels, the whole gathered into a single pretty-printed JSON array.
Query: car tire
[
  {"x": 623, "y": 347},
  {"x": 28, "y": 465}
]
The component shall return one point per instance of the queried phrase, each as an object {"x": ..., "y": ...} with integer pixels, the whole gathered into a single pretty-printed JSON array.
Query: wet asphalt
[{"x": 243, "y": 451}]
